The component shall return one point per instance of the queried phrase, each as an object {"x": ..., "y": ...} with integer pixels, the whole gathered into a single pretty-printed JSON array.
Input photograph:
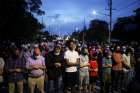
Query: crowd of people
[{"x": 69, "y": 67}]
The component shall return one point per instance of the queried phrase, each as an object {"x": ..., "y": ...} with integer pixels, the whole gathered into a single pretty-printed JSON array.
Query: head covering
[{"x": 36, "y": 45}]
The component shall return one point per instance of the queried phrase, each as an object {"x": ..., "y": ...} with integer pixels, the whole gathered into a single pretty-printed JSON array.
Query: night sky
[{"x": 64, "y": 16}]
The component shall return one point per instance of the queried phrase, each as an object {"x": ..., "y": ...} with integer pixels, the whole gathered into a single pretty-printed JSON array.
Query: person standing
[
  {"x": 93, "y": 72},
  {"x": 36, "y": 71},
  {"x": 15, "y": 67},
  {"x": 117, "y": 70},
  {"x": 54, "y": 64},
  {"x": 106, "y": 69},
  {"x": 134, "y": 86},
  {"x": 71, "y": 58},
  {"x": 84, "y": 70},
  {"x": 126, "y": 68}
]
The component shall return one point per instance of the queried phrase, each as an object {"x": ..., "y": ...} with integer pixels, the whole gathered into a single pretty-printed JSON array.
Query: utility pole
[
  {"x": 84, "y": 28},
  {"x": 110, "y": 23}
]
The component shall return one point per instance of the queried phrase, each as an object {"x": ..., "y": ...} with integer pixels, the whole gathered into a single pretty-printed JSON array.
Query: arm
[
  {"x": 67, "y": 59},
  {"x": 28, "y": 65},
  {"x": 107, "y": 65},
  {"x": 22, "y": 65},
  {"x": 71, "y": 63},
  {"x": 124, "y": 62},
  {"x": 42, "y": 66},
  {"x": 84, "y": 65},
  {"x": 126, "y": 65},
  {"x": 96, "y": 69}
]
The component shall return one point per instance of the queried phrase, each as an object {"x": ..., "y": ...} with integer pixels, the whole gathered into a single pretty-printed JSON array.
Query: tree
[
  {"x": 17, "y": 21},
  {"x": 98, "y": 31},
  {"x": 127, "y": 28}
]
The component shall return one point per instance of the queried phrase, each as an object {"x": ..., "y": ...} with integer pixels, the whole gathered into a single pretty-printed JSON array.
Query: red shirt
[{"x": 93, "y": 65}]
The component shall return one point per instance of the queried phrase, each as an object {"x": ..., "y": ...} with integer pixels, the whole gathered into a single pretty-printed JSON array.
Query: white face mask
[
  {"x": 109, "y": 56},
  {"x": 37, "y": 57}
]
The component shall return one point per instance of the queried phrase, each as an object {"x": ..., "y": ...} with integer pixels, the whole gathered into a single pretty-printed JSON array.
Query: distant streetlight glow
[
  {"x": 94, "y": 12},
  {"x": 77, "y": 29}
]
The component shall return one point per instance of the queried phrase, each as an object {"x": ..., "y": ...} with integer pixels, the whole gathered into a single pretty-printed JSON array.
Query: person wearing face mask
[
  {"x": 36, "y": 71},
  {"x": 54, "y": 64},
  {"x": 106, "y": 71},
  {"x": 126, "y": 68},
  {"x": 84, "y": 70},
  {"x": 15, "y": 67}
]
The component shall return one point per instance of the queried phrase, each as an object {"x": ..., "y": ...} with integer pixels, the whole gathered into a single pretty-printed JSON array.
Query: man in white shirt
[{"x": 71, "y": 71}]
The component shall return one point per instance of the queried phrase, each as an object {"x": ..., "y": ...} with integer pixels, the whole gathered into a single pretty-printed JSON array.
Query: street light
[{"x": 94, "y": 12}]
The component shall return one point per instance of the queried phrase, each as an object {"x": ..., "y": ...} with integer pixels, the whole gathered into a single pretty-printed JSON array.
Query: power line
[
  {"x": 132, "y": 3},
  {"x": 127, "y": 6}
]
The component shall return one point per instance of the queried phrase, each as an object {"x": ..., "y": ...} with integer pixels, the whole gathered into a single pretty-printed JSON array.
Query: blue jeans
[{"x": 54, "y": 86}]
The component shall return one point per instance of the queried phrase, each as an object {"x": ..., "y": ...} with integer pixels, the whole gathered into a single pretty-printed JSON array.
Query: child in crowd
[{"x": 93, "y": 72}]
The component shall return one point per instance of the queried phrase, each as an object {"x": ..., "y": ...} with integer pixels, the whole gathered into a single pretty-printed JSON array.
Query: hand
[
  {"x": 57, "y": 64},
  {"x": 18, "y": 70},
  {"x": 35, "y": 66},
  {"x": 109, "y": 65},
  {"x": 88, "y": 64},
  {"x": 96, "y": 69}
]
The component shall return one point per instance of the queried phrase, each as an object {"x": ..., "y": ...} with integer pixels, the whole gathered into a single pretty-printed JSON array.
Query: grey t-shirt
[{"x": 84, "y": 59}]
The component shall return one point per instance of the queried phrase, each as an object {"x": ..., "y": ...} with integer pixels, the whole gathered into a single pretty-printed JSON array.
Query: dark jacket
[{"x": 54, "y": 72}]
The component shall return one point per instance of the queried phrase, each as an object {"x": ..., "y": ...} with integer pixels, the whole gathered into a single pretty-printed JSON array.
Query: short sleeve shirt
[
  {"x": 93, "y": 65},
  {"x": 84, "y": 60},
  {"x": 39, "y": 61},
  {"x": 72, "y": 56}
]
